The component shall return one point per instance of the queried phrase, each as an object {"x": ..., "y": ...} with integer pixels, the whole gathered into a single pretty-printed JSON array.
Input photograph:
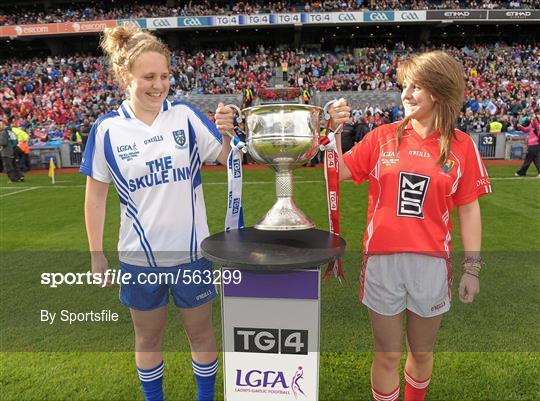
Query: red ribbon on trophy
[{"x": 331, "y": 174}]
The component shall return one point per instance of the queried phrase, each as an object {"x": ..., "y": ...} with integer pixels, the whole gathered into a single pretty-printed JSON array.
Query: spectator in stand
[
  {"x": 367, "y": 125},
  {"x": 461, "y": 123},
  {"x": 348, "y": 137},
  {"x": 495, "y": 126}
]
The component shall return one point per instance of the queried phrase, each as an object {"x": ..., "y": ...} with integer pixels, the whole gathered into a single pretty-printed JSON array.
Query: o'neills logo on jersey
[
  {"x": 127, "y": 152},
  {"x": 419, "y": 153},
  {"x": 273, "y": 383},
  {"x": 411, "y": 194},
  {"x": 156, "y": 138}
]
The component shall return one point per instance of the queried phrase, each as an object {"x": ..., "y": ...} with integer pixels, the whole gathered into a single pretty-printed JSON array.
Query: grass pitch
[{"x": 486, "y": 351}]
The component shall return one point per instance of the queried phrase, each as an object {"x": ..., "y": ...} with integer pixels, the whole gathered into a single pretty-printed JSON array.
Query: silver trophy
[{"x": 282, "y": 136}]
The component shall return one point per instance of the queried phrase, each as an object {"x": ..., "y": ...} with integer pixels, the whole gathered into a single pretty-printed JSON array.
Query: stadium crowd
[
  {"x": 53, "y": 97},
  {"x": 104, "y": 10}
]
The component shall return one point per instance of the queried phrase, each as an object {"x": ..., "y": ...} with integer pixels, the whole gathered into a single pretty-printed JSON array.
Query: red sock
[
  {"x": 415, "y": 390},
  {"x": 378, "y": 396}
]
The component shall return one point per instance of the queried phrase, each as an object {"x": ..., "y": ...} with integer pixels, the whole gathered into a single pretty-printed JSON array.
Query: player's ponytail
[
  {"x": 123, "y": 44},
  {"x": 442, "y": 76}
]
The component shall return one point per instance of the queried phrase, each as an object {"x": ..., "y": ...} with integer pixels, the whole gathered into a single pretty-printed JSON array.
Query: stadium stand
[
  {"x": 103, "y": 10},
  {"x": 56, "y": 91},
  {"x": 63, "y": 92}
]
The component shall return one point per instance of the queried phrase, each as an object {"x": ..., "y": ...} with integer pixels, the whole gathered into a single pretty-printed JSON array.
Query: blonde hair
[
  {"x": 123, "y": 44},
  {"x": 442, "y": 76}
]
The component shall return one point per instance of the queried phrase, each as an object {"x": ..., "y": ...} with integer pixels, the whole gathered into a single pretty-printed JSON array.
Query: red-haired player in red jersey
[{"x": 418, "y": 170}]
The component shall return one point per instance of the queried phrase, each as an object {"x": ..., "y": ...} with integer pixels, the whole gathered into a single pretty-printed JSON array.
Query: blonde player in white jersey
[{"x": 152, "y": 151}]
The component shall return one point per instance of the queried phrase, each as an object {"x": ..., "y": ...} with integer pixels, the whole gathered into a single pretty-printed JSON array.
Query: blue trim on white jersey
[
  {"x": 194, "y": 159},
  {"x": 123, "y": 191},
  {"x": 193, "y": 240},
  {"x": 125, "y": 111},
  {"x": 209, "y": 124},
  {"x": 166, "y": 105},
  {"x": 194, "y": 167},
  {"x": 90, "y": 149}
]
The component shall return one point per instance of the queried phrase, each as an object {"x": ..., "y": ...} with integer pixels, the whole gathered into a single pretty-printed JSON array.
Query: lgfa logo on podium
[{"x": 269, "y": 382}]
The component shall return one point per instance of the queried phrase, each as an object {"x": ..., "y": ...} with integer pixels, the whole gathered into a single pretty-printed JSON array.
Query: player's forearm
[
  {"x": 225, "y": 150},
  {"x": 94, "y": 213},
  {"x": 471, "y": 228}
]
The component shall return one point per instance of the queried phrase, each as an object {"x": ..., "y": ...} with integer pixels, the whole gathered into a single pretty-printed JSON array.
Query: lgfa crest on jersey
[
  {"x": 180, "y": 138},
  {"x": 448, "y": 166}
]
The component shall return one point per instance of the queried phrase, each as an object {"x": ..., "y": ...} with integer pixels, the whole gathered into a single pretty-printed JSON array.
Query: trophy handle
[
  {"x": 326, "y": 107},
  {"x": 240, "y": 117},
  {"x": 327, "y": 115}
]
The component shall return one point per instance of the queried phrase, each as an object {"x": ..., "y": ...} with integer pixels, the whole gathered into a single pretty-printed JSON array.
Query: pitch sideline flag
[{"x": 52, "y": 167}]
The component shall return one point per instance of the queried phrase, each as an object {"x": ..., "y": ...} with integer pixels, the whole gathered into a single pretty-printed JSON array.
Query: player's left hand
[
  {"x": 469, "y": 286},
  {"x": 224, "y": 119}
]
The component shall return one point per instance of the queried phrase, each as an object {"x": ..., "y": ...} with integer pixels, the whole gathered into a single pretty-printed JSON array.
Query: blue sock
[
  {"x": 152, "y": 382},
  {"x": 205, "y": 375}
]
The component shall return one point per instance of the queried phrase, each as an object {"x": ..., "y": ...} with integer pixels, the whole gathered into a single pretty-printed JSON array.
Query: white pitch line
[
  {"x": 18, "y": 192},
  {"x": 513, "y": 178},
  {"x": 245, "y": 183}
]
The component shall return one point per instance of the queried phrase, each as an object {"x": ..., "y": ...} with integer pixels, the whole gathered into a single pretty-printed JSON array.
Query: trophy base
[{"x": 284, "y": 216}]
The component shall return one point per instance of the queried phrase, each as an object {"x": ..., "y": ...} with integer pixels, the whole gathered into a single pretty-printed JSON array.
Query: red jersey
[{"x": 410, "y": 195}]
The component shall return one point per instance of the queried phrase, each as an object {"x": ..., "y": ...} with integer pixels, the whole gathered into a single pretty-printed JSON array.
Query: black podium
[{"x": 271, "y": 310}]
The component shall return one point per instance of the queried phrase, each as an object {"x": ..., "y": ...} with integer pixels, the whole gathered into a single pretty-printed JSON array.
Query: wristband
[{"x": 474, "y": 263}]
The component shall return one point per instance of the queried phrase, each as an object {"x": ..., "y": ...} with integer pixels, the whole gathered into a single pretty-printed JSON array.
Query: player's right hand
[
  {"x": 224, "y": 119},
  {"x": 100, "y": 265},
  {"x": 340, "y": 113}
]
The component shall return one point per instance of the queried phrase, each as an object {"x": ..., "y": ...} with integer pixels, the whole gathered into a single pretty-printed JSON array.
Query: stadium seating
[{"x": 62, "y": 12}]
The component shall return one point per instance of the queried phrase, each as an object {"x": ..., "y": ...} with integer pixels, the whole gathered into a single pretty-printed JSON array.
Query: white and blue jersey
[{"x": 156, "y": 172}]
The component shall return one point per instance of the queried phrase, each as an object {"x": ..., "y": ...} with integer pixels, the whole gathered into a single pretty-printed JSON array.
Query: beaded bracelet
[
  {"x": 473, "y": 266},
  {"x": 470, "y": 262}
]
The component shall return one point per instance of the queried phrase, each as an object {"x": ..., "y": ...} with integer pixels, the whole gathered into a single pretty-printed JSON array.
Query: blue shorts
[{"x": 149, "y": 287}]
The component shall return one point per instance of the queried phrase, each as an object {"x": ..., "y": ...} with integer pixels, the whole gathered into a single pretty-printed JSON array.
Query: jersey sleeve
[
  {"x": 359, "y": 158},
  {"x": 93, "y": 163},
  {"x": 475, "y": 180},
  {"x": 208, "y": 137}
]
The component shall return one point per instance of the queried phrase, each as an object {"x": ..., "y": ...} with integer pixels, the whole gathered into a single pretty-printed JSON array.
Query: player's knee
[
  {"x": 387, "y": 360},
  {"x": 148, "y": 342},
  {"x": 421, "y": 357},
  {"x": 201, "y": 337}
]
